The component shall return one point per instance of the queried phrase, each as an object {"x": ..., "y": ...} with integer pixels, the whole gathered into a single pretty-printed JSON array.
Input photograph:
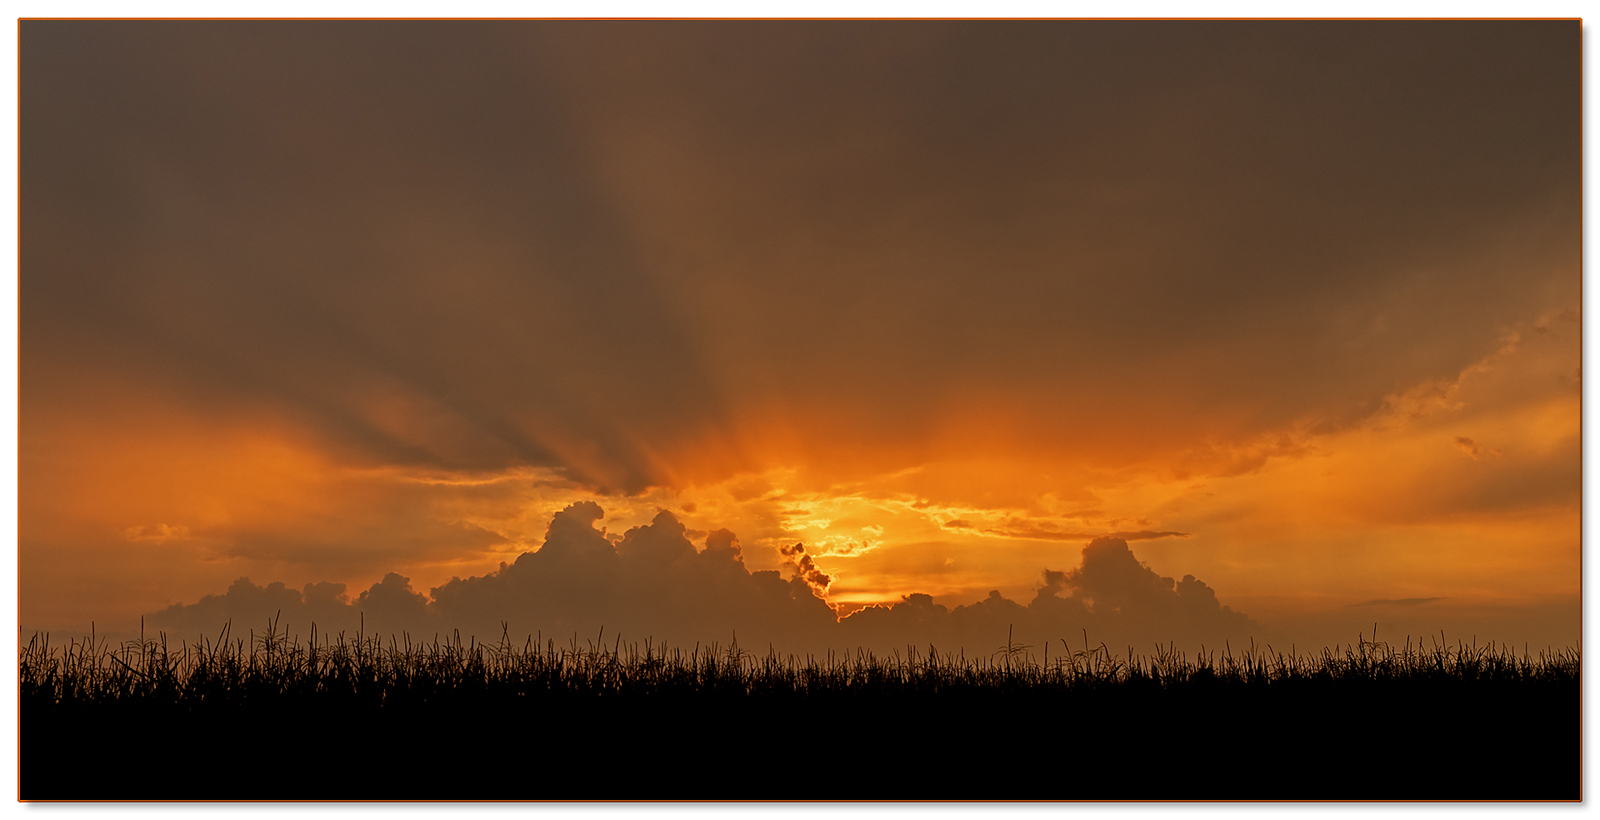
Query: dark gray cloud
[
  {"x": 575, "y": 244},
  {"x": 805, "y": 568},
  {"x": 653, "y": 583},
  {"x": 326, "y": 220},
  {"x": 246, "y": 606},
  {"x": 1111, "y": 598}
]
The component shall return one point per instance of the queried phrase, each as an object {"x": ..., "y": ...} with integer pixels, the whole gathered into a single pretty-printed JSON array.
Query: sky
[{"x": 569, "y": 323}]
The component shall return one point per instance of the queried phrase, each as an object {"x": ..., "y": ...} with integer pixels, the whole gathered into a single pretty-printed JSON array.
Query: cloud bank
[
  {"x": 654, "y": 583},
  {"x": 484, "y": 245}
]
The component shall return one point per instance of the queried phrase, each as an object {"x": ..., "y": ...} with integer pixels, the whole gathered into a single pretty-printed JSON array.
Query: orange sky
[{"x": 1293, "y": 308}]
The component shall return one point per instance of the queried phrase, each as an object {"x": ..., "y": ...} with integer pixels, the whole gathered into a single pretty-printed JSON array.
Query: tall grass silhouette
[{"x": 1162, "y": 724}]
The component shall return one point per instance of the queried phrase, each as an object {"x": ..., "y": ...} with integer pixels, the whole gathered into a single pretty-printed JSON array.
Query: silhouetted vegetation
[{"x": 266, "y": 715}]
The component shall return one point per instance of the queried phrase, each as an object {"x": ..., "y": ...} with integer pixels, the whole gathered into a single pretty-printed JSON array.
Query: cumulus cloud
[
  {"x": 392, "y": 605},
  {"x": 650, "y": 580},
  {"x": 654, "y": 583},
  {"x": 247, "y": 606},
  {"x": 1111, "y": 597},
  {"x": 805, "y": 568},
  {"x": 389, "y": 607}
]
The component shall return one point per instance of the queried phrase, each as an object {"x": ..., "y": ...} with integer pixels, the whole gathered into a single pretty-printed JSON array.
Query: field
[{"x": 269, "y": 716}]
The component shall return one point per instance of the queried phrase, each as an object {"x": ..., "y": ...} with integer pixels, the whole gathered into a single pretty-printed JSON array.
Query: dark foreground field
[{"x": 269, "y": 718}]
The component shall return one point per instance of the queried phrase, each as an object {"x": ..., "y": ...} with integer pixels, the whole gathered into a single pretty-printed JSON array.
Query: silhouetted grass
[{"x": 267, "y": 715}]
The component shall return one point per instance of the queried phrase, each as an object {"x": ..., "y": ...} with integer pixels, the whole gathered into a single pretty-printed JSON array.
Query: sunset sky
[{"x": 1291, "y": 307}]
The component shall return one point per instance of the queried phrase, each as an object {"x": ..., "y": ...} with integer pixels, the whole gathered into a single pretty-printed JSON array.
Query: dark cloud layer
[
  {"x": 302, "y": 300},
  {"x": 575, "y": 244},
  {"x": 653, "y": 583},
  {"x": 1112, "y": 598}
]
